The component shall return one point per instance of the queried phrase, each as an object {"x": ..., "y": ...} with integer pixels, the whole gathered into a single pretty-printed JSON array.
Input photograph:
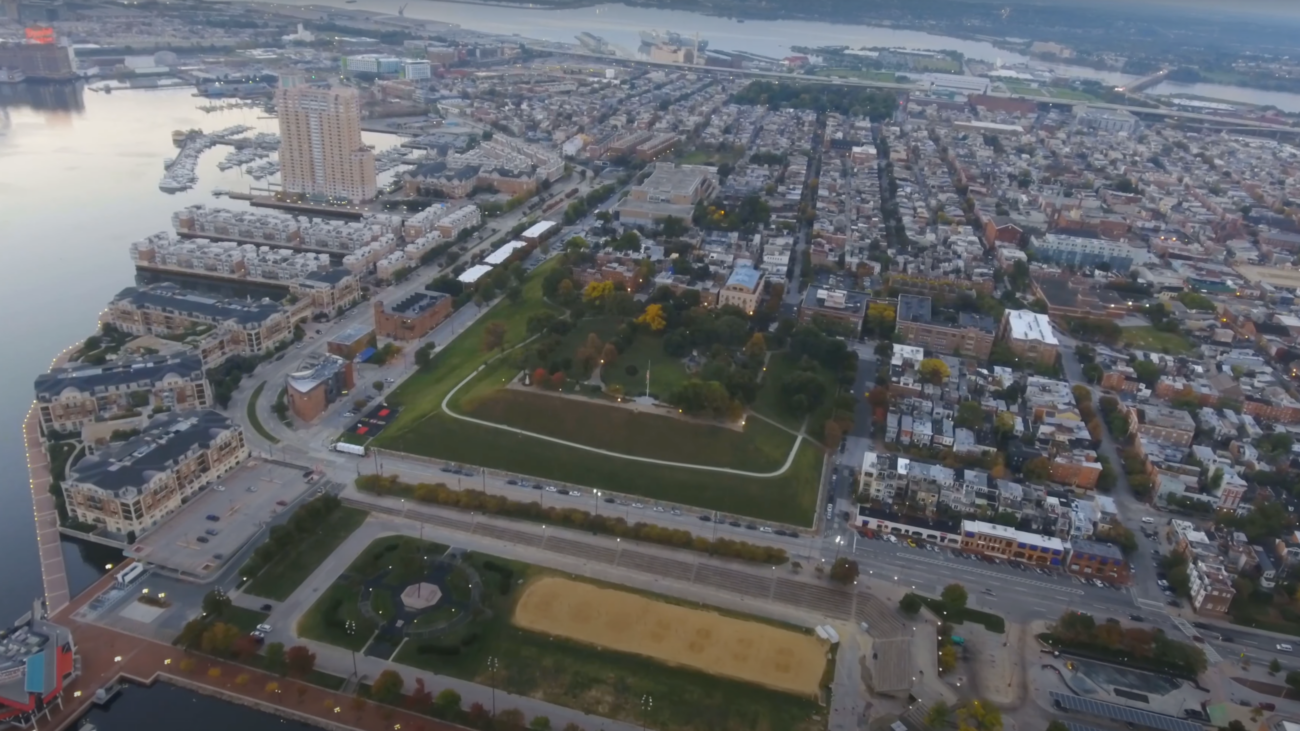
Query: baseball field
[{"x": 748, "y": 651}]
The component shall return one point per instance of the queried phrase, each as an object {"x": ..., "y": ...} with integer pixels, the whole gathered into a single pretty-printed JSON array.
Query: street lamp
[
  {"x": 598, "y": 494},
  {"x": 492, "y": 668},
  {"x": 351, "y": 627},
  {"x": 839, "y": 541},
  {"x": 647, "y": 704}
]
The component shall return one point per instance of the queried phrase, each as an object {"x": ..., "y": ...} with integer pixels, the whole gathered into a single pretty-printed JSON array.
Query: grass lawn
[
  {"x": 943, "y": 65},
  {"x": 666, "y": 372},
  {"x": 1149, "y": 338},
  {"x": 252, "y": 415},
  {"x": 593, "y": 680},
  {"x": 991, "y": 622},
  {"x": 279, "y": 579},
  {"x": 1060, "y": 92},
  {"x": 1023, "y": 90},
  {"x": 245, "y": 619},
  {"x": 422, "y": 428},
  {"x": 327, "y": 618},
  {"x": 769, "y": 403},
  {"x": 762, "y": 447}
]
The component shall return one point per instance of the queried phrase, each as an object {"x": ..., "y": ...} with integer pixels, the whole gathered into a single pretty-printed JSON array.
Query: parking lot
[{"x": 249, "y": 497}]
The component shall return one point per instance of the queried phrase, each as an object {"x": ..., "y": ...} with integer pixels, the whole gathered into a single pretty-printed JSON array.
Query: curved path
[{"x": 789, "y": 460}]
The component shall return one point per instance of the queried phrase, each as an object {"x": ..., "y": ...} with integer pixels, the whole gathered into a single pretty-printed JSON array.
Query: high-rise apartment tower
[{"x": 321, "y": 153}]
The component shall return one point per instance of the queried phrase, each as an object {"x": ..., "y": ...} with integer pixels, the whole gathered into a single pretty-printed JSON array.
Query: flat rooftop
[
  {"x": 913, "y": 308},
  {"x": 167, "y": 297},
  {"x": 415, "y": 303},
  {"x": 1029, "y": 325}
]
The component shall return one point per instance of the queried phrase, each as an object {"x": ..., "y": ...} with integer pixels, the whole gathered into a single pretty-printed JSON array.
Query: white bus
[{"x": 129, "y": 574}]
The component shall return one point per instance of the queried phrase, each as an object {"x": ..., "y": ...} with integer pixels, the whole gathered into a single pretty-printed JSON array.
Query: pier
[
  {"x": 335, "y": 211},
  {"x": 54, "y": 575}
]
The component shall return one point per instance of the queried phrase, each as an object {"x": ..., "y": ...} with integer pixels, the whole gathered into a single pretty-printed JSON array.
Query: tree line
[{"x": 441, "y": 494}]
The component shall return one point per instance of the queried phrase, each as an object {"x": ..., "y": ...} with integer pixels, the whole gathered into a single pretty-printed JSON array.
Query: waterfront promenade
[
  {"x": 54, "y": 575},
  {"x": 108, "y": 656}
]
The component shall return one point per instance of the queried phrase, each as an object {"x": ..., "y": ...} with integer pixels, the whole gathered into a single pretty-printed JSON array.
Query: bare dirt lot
[{"x": 748, "y": 651}]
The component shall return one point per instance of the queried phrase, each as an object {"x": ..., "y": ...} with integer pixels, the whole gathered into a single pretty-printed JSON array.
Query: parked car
[
  {"x": 212, "y": 531},
  {"x": 202, "y": 539},
  {"x": 263, "y": 627},
  {"x": 734, "y": 523},
  {"x": 611, "y": 500},
  {"x": 267, "y": 607},
  {"x": 219, "y": 488},
  {"x": 1136, "y": 617},
  {"x": 512, "y": 482},
  {"x": 705, "y": 518},
  {"x": 751, "y": 526},
  {"x": 213, "y": 517},
  {"x": 282, "y": 503}
]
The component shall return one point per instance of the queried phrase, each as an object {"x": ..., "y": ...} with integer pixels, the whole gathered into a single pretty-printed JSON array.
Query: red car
[{"x": 282, "y": 503}]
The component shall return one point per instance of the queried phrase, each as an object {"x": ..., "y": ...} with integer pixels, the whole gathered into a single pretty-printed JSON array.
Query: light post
[
  {"x": 492, "y": 668},
  {"x": 598, "y": 493},
  {"x": 647, "y": 703},
  {"x": 839, "y": 541},
  {"x": 351, "y": 628}
]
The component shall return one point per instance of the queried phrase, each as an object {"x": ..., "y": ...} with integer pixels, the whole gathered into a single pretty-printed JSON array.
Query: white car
[
  {"x": 263, "y": 628},
  {"x": 765, "y": 529},
  {"x": 637, "y": 505},
  {"x": 219, "y": 488},
  {"x": 576, "y": 493},
  {"x": 551, "y": 488},
  {"x": 1148, "y": 520},
  {"x": 1283, "y": 647},
  {"x": 389, "y": 380}
]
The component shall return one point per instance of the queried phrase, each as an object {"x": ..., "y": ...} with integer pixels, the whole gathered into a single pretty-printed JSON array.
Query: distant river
[
  {"x": 621, "y": 26},
  {"x": 1285, "y": 101}
]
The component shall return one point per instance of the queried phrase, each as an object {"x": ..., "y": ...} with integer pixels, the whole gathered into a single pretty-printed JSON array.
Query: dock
[{"x": 332, "y": 211}]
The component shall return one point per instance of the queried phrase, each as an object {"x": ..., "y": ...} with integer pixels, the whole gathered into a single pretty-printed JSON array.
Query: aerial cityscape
[{"x": 829, "y": 366}]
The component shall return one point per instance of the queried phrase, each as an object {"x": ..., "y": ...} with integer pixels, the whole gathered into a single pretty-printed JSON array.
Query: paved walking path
[
  {"x": 789, "y": 460},
  {"x": 54, "y": 574}
]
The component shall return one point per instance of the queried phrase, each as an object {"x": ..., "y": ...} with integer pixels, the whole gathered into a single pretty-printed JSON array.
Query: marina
[{"x": 180, "y": 172}]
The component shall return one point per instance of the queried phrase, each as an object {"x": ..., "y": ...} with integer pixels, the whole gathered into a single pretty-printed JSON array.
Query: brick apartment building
[
  {"x": 1079, "y": 470},
  {"x": 1094, "y": 560},
  {"x": 1173, "y": 427},
  {"x": 1029, "y": 335},
  {"x": 413, "y": 317},
  {"x": 319, "y": 381},
  {"x": 1000, "y": 541},
  {"x": 971, "y": 335}
]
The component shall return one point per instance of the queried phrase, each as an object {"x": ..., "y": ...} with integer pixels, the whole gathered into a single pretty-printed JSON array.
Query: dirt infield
[{"x": 748, "y": 651}]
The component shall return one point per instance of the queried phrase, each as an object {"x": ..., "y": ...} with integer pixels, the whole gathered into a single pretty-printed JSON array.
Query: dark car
[
  {"x": 512, "y": 482},
  {"x": 780, "y": 532},
  {"x": 1174, "y": 603},
  {"x": 706, "y": 518},
  {"x": 751, "y": 526},
  {"x": 267, "y": 607},
  {"x": 1225, "y": 638},
  {"x": 1136, "y": 618},
  {"x": 611, "y": 500},
  {"x": 1200, "y": 625},
  {"x": 734, "y": 523},
  {"x": 562, "y": 491},
  {"x": 282, "y": 503},
  {"x": 792, "y": 534},
  {"x": 213, "y": 517},
  {"x": 202, "y": 539},
  {"x": 537, "y": 485}
]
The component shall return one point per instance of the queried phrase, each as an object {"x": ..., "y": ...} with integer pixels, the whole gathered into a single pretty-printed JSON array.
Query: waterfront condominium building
[
  {"x": 321, "y": 153},
  {"x": 131, "y": 486},
  {"x": 75, "y": 396}
]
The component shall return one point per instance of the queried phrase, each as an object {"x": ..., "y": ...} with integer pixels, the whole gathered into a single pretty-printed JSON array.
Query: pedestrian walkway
[{"x": 54, "y": 575}]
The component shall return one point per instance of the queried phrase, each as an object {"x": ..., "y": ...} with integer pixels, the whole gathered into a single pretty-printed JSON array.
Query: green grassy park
[
  {"x": 423, "y": 428},
  {"x": 280, "y": 578},
  {"x": 252, "y": 415},
  {"x": 1149, "y": 338}
]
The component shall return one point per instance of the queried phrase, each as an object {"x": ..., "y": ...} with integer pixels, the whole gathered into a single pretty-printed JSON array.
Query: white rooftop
[
  {"x": 539, "y": 228},
  {"x": 1029, "y": 325},
  {"x": 1019, "y": 536},
  {"x": 474, "y": 273},
  {"x": 503, "y": 253}
]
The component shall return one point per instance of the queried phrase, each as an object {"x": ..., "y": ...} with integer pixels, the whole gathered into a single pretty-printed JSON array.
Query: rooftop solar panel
[{"x": 1117, "y": 712}]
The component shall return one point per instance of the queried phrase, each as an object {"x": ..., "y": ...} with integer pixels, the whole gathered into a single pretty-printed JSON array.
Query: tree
[
  {"x": 540, "y": 377},
  {"x": 1038, "y": 469},
  {"x": 220, "y": 638},
  {"x": 215, "y": 603},
  {"x": 1093, "y": 373},
  {"x": 377, "y": 385},
  {"x": 653, "y": 318},
  {"x": 910, "y": 604},
  {"x": 979, "y": 715},
  {"x": 832, "y": 433},
  {"x": 300, "y": 661},
  {"x": 596, "y": 292},
  {"x": 1005, "y": 423},
  {"x": 970, "y": 415},
  {"x": 540, "y": 723},
  {"x": 934, "y": 370},
  {"x": 275, "y": 661},
  {"x": 947, "y": 658},
  {"x": 494, "y": 335},
  {"x": 387, "y": 688},
  {"x": 756, "y": 348},
  {"x": 608, "y": 354},
  {"x": 1274, "y": 667},
  {"x": 844, "y": 570},
  {"x": 1057, "y": 726},
  {"x": 447, "y": 702},
  {"x": 1147, "y": 372},
  {"x": 879, "y": 398},
  {"x": 881, "y": 318},
  {"x": 510, "y": 718},
  {"x": 939, "y": 715},
  {"x": 954, "y": 597},
  {"x": 557, "y": 380},
  {"x": 191, "y": 635},
  {"x": 1293, "y": 680}
]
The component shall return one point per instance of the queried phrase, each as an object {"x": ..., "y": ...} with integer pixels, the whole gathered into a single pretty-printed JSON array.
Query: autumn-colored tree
[
  {"x": 939, "y": 715},
  {"x": 881, "y": 318},
  {"x": 540, "y": 377},
  {"x": 420, "y": 700},
  {"x": 448, "y": 703},
  {"x": 597, "y": 291},
  {"x": 832, "y": 432},
  {"x": 271, "y": 688},
  {"x": 245, "y": 647},
  {"x": 1037, "y": 469},
  {"x": 934, "y": 370},
  {"x": 608, "y": 354},
  {"x": 954, "y": 596},
  {"x": 187, "y": 665},
  {"x": 947, "y": 658},
  {"x": 220, "y": 638},
  {"x": 756, "y": 348},
  {"x": 494, "y": 335},
  {"x": 653, "y": 318},
  {"x": 242, "y": 679},
  {"x": 557, "y": 380},
  {"x": 387, "y": 688},
  {"x": 565, "y": 292},
  {"x": 214, "y": 672},
  {"x": 1005, "y": 422},
  {"x": 300, "y": 661},
  {"x": 511, "y": 718},
  {"x": 478, "y": 716},
  {"x": 358, "y": 705},
  {"x": 979, "y": 715},
  {"x": 844, "y": 571}
]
